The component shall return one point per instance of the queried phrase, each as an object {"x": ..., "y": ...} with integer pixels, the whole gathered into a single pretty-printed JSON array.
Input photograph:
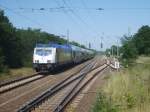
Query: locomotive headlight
[
  {"x": 48, "y": 61},
  {"x": 36, "y": 61}
]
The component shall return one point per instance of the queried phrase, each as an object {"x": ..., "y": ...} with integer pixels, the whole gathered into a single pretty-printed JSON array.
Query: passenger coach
[{"x": 50, "y": 56}]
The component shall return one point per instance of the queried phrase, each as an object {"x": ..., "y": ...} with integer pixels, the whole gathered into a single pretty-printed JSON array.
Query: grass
[
  {"x": 143, "y": 59},
  {"x": 14, "y": 73},
  {"x": 127, "y": 90}
]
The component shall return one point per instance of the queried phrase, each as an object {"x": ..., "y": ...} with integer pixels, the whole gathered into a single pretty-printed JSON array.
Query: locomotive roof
[{"x": 64, "y": 46}]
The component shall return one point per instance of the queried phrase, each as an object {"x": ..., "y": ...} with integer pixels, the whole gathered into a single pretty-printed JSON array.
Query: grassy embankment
[
  {"x": 127, "y": 90},
  {"x": 14, "y": 73}
]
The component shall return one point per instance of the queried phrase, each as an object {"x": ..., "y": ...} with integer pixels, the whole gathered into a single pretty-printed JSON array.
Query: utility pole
[
  {"x": 89, "y": 45},
  {"x": 129, "y": 31},
  {"x": 101, "y": 44},
  {"x": 67, "y": 36},
  {"x": 112, "y": 51},
  {"x": 117, "y": 49}
]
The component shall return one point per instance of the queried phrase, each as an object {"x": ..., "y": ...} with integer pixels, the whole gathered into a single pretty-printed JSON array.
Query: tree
[
  {"x": 1, "y": 61},
  {"x": 16, "y": 45},
  {"x": 114, "y": 50},
  {"x": 128, "y": 50},
  {"x": 9, "y": 43},
  {"x": 108, "y": 52},
  {"x": 142, "y": 40}
]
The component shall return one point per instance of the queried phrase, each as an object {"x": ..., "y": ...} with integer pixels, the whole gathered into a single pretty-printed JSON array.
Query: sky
[{"x": 81, "y": 18}]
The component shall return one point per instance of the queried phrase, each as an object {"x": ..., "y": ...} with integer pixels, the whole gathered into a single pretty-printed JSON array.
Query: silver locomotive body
[
  {"x": 47, "y": 56},
  {"x": 50, "y": 56}
]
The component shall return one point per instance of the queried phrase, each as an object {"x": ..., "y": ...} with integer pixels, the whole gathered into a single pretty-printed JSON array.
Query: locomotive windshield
[{"x": 43, "y": 52}]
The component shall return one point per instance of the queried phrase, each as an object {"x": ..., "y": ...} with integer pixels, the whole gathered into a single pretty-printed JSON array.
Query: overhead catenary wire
[
  {"x": 69, "y": 10},
  {"x": 65, "y": 9},
  {"x": 71, "y": 17},
  {"x": 78, "y": 8},
  {"x": 88, "y": 27},
  {"x": 89, "y": 15},
  {"x": 23, "y": 16},
  {"x": 65, "y": 12},
  {"x": 33, "y": 21},
  {"x": 73, "y": 12},
  {"x": 102, "y": 39},
  {"x": 68, "y": 15}
]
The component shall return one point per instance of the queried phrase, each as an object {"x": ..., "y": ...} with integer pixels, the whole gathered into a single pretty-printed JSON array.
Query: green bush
[
  {"x": 126, "y": 91},
  {"x": 103, "y": 104},
  {"x": 1, "y": 61},
  {"x": 129, "y": 51}
]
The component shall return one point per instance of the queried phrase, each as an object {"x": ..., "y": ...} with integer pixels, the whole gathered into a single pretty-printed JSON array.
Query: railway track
[
  {"x": 75, "y": 90},
  {"x": 12, "y": 84},
  {"x": 62, "y": 92},
  {"x": 9, "y": 85},
  {"x": 12, "y": 100}
]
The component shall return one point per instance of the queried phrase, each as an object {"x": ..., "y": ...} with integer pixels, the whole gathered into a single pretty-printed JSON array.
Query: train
[{"x": 47, "y": 57}]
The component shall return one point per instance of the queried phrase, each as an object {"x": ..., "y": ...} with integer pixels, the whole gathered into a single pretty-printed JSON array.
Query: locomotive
[{"x": 49, "y": 56}]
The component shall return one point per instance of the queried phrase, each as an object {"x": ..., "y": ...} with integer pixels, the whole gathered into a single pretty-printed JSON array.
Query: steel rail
[
  {"x": 20, "y": 84},
  {"x": 16, "y": 80},
  {"x": 39, "y": 99},
  {"x": 71, "y": 91},
  {"x": 68, "y": 98},
  {"x": 19, "y": 80}
]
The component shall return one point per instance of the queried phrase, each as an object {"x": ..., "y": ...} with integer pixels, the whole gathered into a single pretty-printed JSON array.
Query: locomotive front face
[
  {"x": 44, "y": 55},
  {"x": 43, "y": 58}
]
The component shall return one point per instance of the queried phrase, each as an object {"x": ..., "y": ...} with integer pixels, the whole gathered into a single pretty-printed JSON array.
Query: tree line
[
  {"x": 133, "y": 45},
  {"x": 16, "y": 45}
]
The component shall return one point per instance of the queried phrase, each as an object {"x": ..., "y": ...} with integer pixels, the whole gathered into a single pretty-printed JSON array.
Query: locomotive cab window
[{"x": 44, "y": 52}]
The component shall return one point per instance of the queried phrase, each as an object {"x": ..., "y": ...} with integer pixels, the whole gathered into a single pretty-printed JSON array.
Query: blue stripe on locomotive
[{"x": 66, "y": 47}]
